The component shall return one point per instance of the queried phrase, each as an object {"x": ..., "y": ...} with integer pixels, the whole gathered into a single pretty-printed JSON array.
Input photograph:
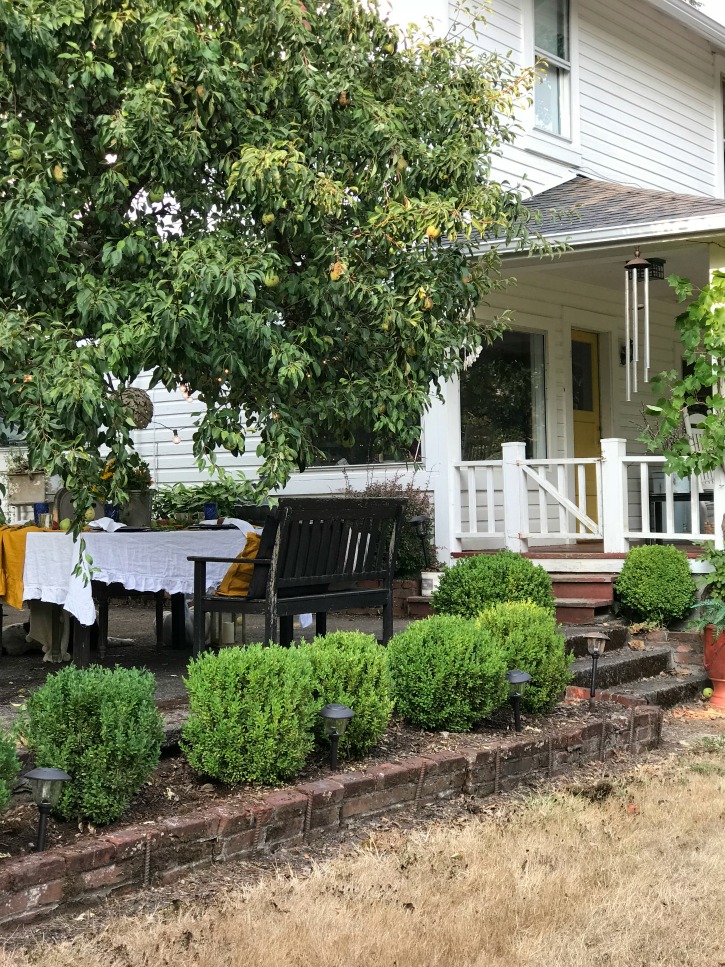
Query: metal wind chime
[{"x": 638, "y": 271}]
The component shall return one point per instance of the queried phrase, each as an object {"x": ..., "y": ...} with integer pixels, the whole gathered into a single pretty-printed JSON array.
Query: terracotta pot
[{"x": 714, "y": 660}]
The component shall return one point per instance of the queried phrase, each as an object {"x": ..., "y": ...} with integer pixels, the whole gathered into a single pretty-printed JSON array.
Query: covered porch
[{"x": 538, "y": 443}]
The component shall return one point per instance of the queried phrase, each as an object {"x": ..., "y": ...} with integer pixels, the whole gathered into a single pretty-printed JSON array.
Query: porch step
[
  {"x": 668, "y": 690},
  {"x": 623, "y": 667},
  {"x": 591, "y": 585},
  {"x": 580, "y": 611},
  {"x": 576, "y": 637}
]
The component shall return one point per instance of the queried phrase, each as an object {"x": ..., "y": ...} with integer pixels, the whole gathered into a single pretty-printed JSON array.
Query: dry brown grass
[{"x": 635, "y": 879}]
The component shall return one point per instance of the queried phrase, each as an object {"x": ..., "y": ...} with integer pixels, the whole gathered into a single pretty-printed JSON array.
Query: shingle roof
[{"x": 601, "y": 204}]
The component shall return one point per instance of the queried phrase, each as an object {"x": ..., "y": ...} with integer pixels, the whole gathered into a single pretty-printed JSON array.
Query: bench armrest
[{"x": 232, "y": 560}]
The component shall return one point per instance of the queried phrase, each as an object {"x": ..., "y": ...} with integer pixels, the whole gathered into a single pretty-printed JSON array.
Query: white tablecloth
[{"x": 152, "y": 561}]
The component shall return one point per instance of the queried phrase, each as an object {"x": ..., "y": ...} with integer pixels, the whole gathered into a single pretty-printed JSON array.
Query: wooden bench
[{"x": 313, "y": 553}]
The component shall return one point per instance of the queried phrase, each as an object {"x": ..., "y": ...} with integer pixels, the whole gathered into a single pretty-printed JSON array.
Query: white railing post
[
  {"x": 718, "y": 507},
  {"x": 442, "y": 451},
  {"x": 615, "y": 504},
  {"x": 515, "y": 498}
]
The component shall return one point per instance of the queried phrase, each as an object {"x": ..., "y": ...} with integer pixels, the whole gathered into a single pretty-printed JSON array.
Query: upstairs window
[{"x": 551, "y": 44}]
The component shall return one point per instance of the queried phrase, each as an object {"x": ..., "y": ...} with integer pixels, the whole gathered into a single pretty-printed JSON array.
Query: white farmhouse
[{"x": 536, "y": 445}]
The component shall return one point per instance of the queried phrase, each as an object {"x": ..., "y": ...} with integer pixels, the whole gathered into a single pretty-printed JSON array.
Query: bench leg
[
  {"x": 270, "y": 628},
  {"x": 321, "y": 624},
  {"x": 286, "y": 629},
  {"x": 388, "y": 620}
]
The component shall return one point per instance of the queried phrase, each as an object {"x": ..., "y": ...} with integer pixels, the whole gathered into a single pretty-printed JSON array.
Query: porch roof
[{"x": 584, "y": 211}]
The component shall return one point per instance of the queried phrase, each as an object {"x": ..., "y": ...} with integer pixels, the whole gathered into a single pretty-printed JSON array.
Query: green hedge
[
  {"x": 447, "y": 673},
  {"x": 656, "y": 584},
  {"x": 9, "y": 767},
  {"x": 252, "y": 713},
  {"x": 100, "y": 725},
  {"x": 352, "y": 668},
  {"x": 474, "y": 583},
  {"x": 531, "y": 640}
]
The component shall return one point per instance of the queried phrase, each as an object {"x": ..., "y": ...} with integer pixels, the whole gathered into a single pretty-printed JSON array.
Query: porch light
[
  {"x": 420, "y": 526},
  {"x": 518, "y": 681},
  {"x": 596, "y": 642},
  {"x": 46, "y": 787},
  {"x": 336, "y": 718},
  {"x": 638, "y": 271}
]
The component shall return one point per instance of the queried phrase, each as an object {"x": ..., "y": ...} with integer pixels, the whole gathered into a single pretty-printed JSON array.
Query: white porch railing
[{"x": 615, "y": 499}]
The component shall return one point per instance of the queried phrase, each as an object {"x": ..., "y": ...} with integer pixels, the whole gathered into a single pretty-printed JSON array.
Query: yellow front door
[{"x": 585, "y": 401}]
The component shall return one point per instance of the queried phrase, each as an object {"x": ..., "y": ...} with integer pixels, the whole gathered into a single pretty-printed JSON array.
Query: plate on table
[{"x": 131, "y": 530}]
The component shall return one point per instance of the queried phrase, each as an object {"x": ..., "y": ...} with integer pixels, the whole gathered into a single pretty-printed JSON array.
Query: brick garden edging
[{"x": 146, "y": 855}]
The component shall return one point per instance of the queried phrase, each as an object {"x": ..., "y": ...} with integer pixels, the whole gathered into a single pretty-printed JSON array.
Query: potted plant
[
  {"x": 710, "y": 620},
  {"x": 136, "y": 511},
  {"x": 25, "y": 486}
]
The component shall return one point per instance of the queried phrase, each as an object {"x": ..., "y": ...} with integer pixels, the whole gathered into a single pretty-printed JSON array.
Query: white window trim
[
  {"x": 565, "y": 149},
  {"x": 719, "y": 126}
]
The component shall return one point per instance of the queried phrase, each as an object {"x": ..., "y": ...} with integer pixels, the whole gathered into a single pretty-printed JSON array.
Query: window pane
[
  {"x": 503, "y": 398},
  {"x": 547, "y": 100},
  {"x": 551, "y": 27},
  {"x": 582, "y": 376}
]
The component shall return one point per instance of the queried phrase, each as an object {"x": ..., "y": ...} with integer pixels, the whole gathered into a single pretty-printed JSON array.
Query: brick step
[
  {"x": 667, "y": 690},
  {"x": 622, "y": 667},
  {"x": 576, "y": 637},
  {"x": 576, "y": 585},
  {"x": 419, "y": 607},
  {"x": 685, "y": 637},
  {"x": 580, "y": 611}
]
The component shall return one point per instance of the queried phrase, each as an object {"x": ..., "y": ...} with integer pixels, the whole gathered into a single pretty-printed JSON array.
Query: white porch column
[
  {"x": 615, "y": 510},
  {"x": 441, "y": 451},
  {"x": 515, "y": 498}
]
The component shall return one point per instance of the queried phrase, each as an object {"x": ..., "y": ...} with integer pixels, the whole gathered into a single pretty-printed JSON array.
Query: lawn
[{"x": 627, "y": 872}]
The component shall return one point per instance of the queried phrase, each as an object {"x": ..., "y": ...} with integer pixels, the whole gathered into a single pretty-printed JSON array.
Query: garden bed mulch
[{"x": 174, "y": 789}]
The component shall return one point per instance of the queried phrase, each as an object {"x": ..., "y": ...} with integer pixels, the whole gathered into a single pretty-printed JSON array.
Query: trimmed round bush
[
  {"x": 530, "y": 640},
  {"x": 102, "y": 726},
  {"x": 9, "y": 767},
  {"x": 474, "y": 583},
  {"x": 352, "y": 668},
  {"x": 252, "y": 713},
  {"x": 656, "y": 584},
  {"x": 447, "y": 673}
]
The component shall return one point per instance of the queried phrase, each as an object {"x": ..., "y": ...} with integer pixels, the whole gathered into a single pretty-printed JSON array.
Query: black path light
[
  {"x": 420, "y": 526},
  {"x": 517, "y": 680},
  {"x": 46, "y": 788},
  {"x": 336, "y": 718},
  {"x": 596, "y": 642}
]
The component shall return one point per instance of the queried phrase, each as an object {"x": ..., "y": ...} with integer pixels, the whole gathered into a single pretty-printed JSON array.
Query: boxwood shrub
[
  {"x": 352, "y": 668},
  {"x": 252, "y": 713},
  {"x": 447, "y": 673},
  {"x": 474, "y": 583},
  {"x": 531, "y": 640},
  {"x": 9, "y": 767},
  {"x": 656, "y": 584},
  {"x": 102, "y": 726}
]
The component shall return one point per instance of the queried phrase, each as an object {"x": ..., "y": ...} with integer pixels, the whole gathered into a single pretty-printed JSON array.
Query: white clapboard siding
[{"x": 646, "y": 101}]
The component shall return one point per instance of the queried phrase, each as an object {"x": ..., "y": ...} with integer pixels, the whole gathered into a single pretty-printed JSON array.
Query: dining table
[{"x": 60, "y": 569}]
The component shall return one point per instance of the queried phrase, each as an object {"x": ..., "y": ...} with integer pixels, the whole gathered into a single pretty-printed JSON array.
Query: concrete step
[
  {"x": 623, "y": 666},
  {"x": 580, "y": 611},
  {"x": 578, "y": 585},
  {"x": 668, "y": 690},
  {"x": 576, "y": 637}
]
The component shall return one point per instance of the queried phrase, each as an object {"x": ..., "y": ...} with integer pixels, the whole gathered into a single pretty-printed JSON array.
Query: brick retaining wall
[{"x": 146, "y": 855}]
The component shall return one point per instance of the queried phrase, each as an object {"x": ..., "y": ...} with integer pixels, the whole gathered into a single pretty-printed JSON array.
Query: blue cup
[
  {"x": 110, "y": 510},
  {"x": 38, "y": 509},
  {"x": 210, "y": 512}
]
